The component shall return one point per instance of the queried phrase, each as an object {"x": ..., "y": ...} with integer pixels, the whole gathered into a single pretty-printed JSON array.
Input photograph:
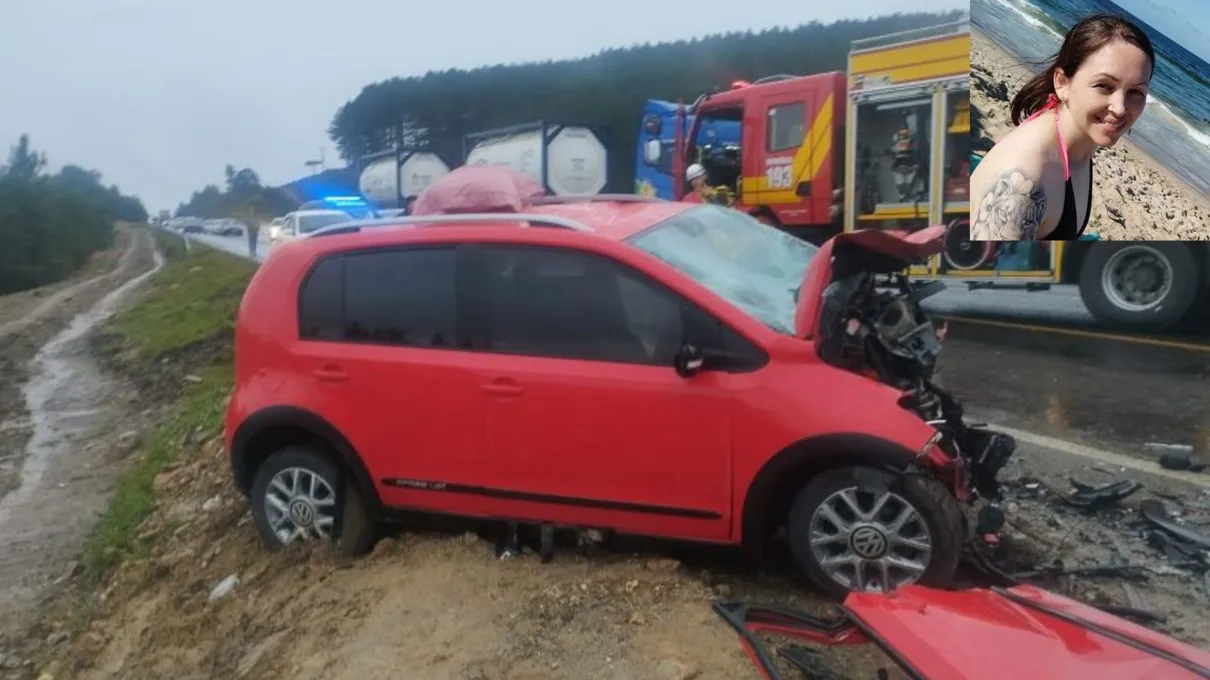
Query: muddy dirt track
[
  {"x": 63, "y": 423},
  {"x": 435, "y": 601}
]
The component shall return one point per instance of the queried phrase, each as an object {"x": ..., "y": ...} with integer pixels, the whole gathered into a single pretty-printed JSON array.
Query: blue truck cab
[{"x": 657, "y": 143}]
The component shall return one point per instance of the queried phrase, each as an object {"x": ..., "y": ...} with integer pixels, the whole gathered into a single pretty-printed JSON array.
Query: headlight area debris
[{"x": 1106, "y": 558}]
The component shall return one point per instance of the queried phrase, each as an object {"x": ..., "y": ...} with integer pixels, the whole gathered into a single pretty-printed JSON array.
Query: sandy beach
[{"x": 1134, "y": 197}]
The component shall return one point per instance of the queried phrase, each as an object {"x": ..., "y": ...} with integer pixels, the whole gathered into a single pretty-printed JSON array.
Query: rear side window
[
  {"x": 394, "y": 297},
  {"x": 565, "y": 304},
  {"x": 401, "y": 297},
  {"x": 321, "y": 304}
]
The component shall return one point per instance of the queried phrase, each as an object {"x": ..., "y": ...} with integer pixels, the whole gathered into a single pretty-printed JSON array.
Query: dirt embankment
[
  {"x": 1134, "y": 197},
  {"x": 174, "y": 583}
]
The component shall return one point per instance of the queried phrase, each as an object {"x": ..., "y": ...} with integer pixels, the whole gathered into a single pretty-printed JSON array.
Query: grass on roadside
[
  {"x": 172, "y": 246},
  {"x": 192, "y": 300},
  {"x": 194, "y": 297},
  {"x": 198, "y": 416}
]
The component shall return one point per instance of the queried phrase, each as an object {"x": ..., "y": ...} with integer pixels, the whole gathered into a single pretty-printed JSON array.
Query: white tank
[
  {"x": 379, "y": 183},
  {"x": 419, "y": 170},
  {"x": 575, "y": 158}
]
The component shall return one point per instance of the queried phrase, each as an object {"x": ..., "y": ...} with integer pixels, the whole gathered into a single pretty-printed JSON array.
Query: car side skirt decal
[{"x": 506, "y": 494}]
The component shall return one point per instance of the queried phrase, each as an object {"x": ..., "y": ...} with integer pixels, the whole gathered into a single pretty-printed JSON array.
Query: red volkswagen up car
[{"x": 639, "y": 366}]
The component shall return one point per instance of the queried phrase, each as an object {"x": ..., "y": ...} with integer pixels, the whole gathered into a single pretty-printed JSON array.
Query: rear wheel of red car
[
  {"x": 294, "y": 499},
  {"x": 860, "y": 528}
]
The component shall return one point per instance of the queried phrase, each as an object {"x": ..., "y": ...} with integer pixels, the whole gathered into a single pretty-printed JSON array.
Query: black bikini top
[{"x": 1066, "y": 229}]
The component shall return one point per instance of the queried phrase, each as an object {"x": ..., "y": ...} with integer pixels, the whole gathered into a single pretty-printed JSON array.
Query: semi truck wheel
[
  {"x": 963, "y": 254},
  {"x": 1140, "y": 286}
]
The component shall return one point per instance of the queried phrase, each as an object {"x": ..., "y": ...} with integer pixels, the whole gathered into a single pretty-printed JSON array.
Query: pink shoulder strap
[{"x": 1052, "y": 104}]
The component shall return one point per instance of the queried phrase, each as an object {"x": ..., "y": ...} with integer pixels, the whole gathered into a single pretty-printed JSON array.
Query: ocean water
[{"x": 1174, "y": 129}]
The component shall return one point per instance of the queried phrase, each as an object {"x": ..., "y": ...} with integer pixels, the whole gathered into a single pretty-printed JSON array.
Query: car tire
[
  {"x": 936, "y": 521},
  {"x": 336, "y": 497}
]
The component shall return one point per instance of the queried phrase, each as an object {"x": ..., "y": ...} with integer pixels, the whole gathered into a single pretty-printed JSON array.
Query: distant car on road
[
  {"x": 302, "y": 223},
  {"x": 274, "y": 228},
  {"x": 191, "y": 226}
]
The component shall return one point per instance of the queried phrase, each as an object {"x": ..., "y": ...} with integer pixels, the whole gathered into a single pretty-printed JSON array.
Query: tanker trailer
[
  {"x": 569, "y": 160},
  {"x": 381, "y": 178}
]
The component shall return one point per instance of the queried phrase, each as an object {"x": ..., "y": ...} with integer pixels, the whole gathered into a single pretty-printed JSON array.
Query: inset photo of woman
[{"x": 1091, "y": 120}]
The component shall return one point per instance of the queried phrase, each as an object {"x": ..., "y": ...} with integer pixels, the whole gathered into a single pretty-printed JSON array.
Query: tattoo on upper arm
[{"x": 1011, "y": 211}]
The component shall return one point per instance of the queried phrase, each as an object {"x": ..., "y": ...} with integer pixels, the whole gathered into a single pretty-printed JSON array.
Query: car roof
[{"x": 612, "y": 220}]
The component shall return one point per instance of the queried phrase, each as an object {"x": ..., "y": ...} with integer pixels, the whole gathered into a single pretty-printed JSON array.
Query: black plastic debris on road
[
  {"x": 1091, "y": 497},
  {"x": 1154, "y": 512}
]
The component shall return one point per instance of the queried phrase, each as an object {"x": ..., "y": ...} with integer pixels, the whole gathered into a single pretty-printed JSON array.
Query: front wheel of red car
[
  {"x": 860, "y": 528},
  {"x": 294, "y": 499}
]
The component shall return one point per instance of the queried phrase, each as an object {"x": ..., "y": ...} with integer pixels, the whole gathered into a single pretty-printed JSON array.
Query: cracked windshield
[{"x": 627, "y": 341}]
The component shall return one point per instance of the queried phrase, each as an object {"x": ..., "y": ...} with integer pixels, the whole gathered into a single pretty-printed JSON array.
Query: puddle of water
[{"x": 65, "y": 394}]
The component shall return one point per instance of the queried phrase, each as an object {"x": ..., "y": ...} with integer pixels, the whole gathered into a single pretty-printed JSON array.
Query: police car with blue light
[{"x": 315, "y": 215}]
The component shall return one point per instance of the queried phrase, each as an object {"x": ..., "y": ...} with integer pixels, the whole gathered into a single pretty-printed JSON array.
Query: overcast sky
[
  {"x": 159, "y": 95},
  {"x": 1185, "y": 22}
]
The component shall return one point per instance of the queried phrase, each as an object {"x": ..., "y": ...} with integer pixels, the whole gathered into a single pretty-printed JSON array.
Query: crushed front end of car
[{"x": 869, "y": 320}]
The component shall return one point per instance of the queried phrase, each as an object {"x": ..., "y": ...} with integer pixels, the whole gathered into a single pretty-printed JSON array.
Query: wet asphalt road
[
  {"x": 1036, "y": 362},
  {"x": 1108, "y": 391}
]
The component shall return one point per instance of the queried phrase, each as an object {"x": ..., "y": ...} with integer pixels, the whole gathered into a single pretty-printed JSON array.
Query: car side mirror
[{"x": 688, "y": 361}]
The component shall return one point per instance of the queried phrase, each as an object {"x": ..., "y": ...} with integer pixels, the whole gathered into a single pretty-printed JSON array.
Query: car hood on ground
[
  {"x": 874, "y": 250},
  {"x": 1020, "y": 632}
]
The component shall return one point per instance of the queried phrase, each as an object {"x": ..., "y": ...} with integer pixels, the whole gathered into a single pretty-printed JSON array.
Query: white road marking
[{"x": 1106, "y": 457}]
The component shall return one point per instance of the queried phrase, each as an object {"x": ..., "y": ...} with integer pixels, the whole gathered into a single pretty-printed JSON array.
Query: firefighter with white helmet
[{"x": 700, "y": 190}]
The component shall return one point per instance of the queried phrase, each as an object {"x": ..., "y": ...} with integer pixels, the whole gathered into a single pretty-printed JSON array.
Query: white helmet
[{"x": 694, "y": 171}]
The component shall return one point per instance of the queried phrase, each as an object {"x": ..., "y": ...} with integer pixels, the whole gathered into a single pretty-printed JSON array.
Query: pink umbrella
[{"x": 478, "y": 189}]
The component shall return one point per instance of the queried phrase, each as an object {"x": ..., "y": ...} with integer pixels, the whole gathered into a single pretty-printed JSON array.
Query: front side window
[
  {"x": 755, "y": 267},
  {"x": 567, "y": 304}
]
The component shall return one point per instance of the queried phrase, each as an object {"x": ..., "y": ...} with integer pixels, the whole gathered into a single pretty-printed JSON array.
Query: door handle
[
  {"x": 503, "y": 388},
  {"x": 330, "y": 374}
]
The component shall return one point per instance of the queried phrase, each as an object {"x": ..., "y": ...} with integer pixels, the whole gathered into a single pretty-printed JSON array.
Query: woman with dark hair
[{"x": 1026, "y": 187}]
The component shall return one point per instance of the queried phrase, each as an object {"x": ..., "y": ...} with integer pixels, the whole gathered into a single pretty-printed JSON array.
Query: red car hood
[
  {"x": 880, "y": 251},
  {"x": 1014, "y": 633}
]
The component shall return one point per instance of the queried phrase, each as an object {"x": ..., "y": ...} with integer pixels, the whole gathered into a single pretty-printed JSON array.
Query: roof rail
[
  {"x": 532, "y": 219},
  {"x": 774, "y": 78},
  {"x": 595, "y": 198}
]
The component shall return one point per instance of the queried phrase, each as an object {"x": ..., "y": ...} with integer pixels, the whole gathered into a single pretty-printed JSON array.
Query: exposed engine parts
[{"x": 882, "y": 332}]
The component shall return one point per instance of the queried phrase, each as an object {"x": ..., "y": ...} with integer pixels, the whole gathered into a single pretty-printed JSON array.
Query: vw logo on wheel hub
[
  {"x": 301, "y": 513},
  {"x": 868, "y": 543}
]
